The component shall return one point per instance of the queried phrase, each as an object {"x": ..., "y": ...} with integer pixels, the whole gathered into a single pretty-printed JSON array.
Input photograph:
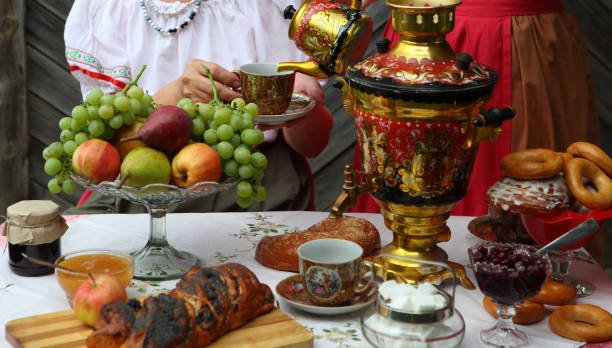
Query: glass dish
[
  {"x": 508, "y": 273},
  {"x": 386, "y": 325},
  {"x": 383, "y": 331},
  {"x": 94, "y": 261},
  {"x": 158, "y": 260}
]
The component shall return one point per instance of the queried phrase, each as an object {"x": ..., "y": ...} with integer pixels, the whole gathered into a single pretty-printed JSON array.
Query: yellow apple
[{"x": 195, "y": 163}]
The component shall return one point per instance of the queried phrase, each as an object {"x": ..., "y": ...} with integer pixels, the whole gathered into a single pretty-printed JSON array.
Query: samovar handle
[
  {"x": 493, "y": 117},
  {"x": 434, "y": 263}
]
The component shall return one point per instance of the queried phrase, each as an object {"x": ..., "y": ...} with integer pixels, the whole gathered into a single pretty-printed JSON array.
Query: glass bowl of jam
[
  {"x": 508, "y": 273},
  {"x": 94, "y": 261}
]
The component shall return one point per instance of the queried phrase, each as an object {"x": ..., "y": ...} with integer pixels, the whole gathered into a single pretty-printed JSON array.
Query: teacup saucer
[
  {"x": 292, "y": 291},
  {"x": 299, "y": 106}
]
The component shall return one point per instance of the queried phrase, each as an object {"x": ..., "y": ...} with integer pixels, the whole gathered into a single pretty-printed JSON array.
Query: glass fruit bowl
[
  {"x": 94, "y": 261},
  {"x": 508, "y": 273},
  {"x": 158, "y": 260},
  {"x": 546, "y": 228}
]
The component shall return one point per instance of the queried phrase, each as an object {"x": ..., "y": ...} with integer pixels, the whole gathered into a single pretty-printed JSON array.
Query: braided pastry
[{"x": 206, "y": 303}]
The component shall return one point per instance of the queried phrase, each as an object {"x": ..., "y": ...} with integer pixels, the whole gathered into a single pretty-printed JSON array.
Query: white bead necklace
[
  {"x": 170, "y": 31},
  {"x": 169, "y": 13}
]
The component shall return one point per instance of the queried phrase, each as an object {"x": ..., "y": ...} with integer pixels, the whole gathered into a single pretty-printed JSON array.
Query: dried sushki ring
[
  {"x": 532, "y": 164},
  {"x": 593, "y": 154},
  {"x": 580, "y": 167},
  {"x": 582, "y": 322}
]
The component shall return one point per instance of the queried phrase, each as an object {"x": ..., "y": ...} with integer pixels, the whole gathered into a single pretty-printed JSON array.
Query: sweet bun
[
  {"x": 280, "y": 252},
  {"x": 527, "y": 313},
  {"x": 554, "y": 294}
]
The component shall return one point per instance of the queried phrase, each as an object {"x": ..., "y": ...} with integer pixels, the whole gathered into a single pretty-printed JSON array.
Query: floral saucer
[
  {"x": 481, "y": 228},
  {"x": 299, "y": 106},
  {"x": 291, "y": 290}
]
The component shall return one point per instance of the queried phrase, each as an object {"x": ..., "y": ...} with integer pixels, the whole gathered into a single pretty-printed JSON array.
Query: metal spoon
[
  {"x": 45, "y": 263},
  {"x": 583, "y": 230}
]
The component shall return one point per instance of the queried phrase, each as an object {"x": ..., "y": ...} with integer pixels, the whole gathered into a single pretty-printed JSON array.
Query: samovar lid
[{"x": 422, "y": 66}]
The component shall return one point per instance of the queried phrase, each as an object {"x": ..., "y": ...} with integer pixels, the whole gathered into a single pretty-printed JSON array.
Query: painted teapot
[{"x": 331, "y": 34}]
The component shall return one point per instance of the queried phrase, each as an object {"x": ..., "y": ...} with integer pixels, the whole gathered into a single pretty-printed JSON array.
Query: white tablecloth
[{"x": 225, "y": 237}]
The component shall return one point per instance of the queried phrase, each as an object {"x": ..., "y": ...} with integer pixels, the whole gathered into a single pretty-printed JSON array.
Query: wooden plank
[
  {"x": 13, "y": 110},
  {"x": 63, "y": 329},
  {"x": 44, "y": 32},
  {"x": 51, "y": 82},
  {"x": 333, "y": 177},
  {"x": 44, "y": 119},
  {"x": 59, "y": 8}
]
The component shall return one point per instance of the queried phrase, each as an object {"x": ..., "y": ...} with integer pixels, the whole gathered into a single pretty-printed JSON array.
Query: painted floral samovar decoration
[{"x": 418, "y": 111}]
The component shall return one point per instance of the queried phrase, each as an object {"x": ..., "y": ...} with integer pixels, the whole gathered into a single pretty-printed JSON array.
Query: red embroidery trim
[{"x": 98, "y": 76}]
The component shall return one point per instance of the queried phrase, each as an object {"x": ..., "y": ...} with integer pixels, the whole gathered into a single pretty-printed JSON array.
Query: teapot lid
[{"x": 424, "y": 80}]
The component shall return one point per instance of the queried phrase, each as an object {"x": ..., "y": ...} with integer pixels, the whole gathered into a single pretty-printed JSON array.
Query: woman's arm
[{"x": 310, "y": 134}]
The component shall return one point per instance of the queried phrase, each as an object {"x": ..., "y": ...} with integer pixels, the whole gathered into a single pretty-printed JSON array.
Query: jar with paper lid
[{"x": 33, "y": 228}]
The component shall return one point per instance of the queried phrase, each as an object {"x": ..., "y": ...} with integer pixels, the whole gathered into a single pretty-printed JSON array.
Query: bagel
[
  {"x": 593, "y": 154},
  {"x": 532, "y": 164},
  {"x": 579, "y": 167},
  {"x": 526, "y": 313},
  {"x": 582, "y": 322},
  {"x": 566, "y": 157},
  {"x": 554, "y": 294}
]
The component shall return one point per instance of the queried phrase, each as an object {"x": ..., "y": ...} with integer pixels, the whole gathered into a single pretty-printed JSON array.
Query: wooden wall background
[{"x": 36, "y": 90}]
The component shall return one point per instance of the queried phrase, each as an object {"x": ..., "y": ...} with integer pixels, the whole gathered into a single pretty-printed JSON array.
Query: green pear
[{"x": 143, "y": 166}]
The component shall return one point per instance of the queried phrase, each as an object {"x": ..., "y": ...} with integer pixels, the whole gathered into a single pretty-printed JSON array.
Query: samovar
[{"x": 418, "y": 110}]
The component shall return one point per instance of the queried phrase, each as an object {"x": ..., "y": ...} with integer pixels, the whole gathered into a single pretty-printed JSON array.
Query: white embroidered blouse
[{"x": 107, "y": 41}]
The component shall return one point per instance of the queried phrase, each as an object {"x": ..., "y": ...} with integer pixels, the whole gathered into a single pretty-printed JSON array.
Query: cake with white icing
[{"x": 508, "y": 198}]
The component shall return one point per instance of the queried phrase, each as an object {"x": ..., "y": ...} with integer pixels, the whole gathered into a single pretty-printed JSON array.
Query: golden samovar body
[{"x": 418, "y": 110}]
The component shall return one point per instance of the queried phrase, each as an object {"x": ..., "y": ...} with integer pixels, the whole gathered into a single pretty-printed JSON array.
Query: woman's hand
[{"x": 195, "y": 84}]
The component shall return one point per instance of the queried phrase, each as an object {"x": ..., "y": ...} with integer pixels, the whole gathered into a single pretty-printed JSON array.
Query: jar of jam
[{"x": 33, "y": 228}]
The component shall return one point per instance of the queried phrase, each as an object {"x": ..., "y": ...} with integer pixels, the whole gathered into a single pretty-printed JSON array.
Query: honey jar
[{"x": 33, "y": 228}]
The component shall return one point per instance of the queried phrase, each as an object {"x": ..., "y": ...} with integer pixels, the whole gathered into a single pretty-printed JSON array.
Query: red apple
[
  {"x": 96, "y": 160},
  {"x": 194, "y": 163},
  {"x": 94, "y": 293}
]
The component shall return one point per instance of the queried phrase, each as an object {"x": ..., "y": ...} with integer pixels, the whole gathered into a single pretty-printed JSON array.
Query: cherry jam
[
  {"x": 47, "y": 252},
  {"x": 508, "y": 273}
]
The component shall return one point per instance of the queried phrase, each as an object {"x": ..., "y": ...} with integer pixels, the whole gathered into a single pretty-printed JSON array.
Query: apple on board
[
  {"x": 194, "y": 163},
  {"x": 93, "y": 294},
  {"x": 96, "y": 160}
]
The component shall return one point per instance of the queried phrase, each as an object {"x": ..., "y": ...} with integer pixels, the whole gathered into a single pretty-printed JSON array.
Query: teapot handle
[
  {"x": 494, "y": 117},
  {"x": 429, "y": 262}
]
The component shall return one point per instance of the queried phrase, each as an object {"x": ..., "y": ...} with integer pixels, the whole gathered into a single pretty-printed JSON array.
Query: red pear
[{"x": 168, "y": 128}]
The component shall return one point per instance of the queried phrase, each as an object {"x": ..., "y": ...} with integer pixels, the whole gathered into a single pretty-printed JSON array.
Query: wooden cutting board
[{"x": 62, "y": 330}]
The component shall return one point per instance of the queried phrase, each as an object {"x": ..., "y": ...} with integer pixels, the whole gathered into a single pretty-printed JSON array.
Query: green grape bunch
[
  {"x": 230, "y": 130},
  {"x": 98, "y": 116}
]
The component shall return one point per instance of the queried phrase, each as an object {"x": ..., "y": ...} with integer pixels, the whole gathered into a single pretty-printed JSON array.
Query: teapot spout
[{"x": 308, "y": 68}]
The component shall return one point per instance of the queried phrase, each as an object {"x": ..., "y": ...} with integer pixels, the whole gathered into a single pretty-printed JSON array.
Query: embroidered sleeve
[{"x": 95, "y": 51}]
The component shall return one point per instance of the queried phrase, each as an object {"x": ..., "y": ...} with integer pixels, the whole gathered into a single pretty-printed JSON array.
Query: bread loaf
[{"x": 280, "y": 252}]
